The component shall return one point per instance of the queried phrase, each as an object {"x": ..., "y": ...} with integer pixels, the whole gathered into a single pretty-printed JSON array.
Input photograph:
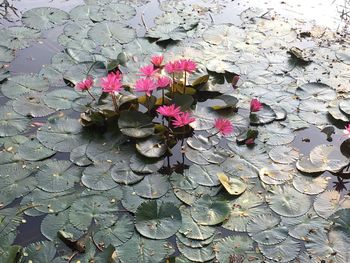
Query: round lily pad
[
  {"x": 58, "y": 176},
  {"x": 121, "y": 173},
  {"x": 44, "y": 17},
  {"x": 309, "y": 184},
  {"x": 135, "y": 124},
  {"x": 33, "y": 150},
  {"x": 157, "y": 221},
  {"x": 153, "y": 147},
  {"x": 108, "y": 33},
  {"x": 288, "y": 202},
  {"x": 98, "y": 177},
  {"x": 329, "y": 202},
  {"x": 98, "y": 208},
  {"x": 285, "y": 251},
  {"x": 208, "y": 211},
  {"x": 117, "y": 234},
  {"x": 140, "y": 164},
  {"x": 152, "y": 186},
  {"x": 11, "y": 123},
  {"x": 234, "y": 186}
]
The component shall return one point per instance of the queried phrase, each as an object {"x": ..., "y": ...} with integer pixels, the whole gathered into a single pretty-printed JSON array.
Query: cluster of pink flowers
[
  {"x": 112, "y": 83},
  {"x": 180, "y": 118},
  {"x": 182, "y": 65},
  {"x": 152, "y": 80}
]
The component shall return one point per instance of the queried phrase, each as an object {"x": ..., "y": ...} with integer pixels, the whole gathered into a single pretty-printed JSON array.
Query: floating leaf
[
  {"x": 284, "y": 154},
  {"x": 285, "y": 251},
  {"x": 98, "y": 177},
  {"x": 108, "y": 33},
  {"x": 264, "y": 116},
  {"x": 135, "y": 124},
  {"x": 117, "y": 234},
  {"x": 18, "y": 37},
  {"x": 310, "y": 185},
  {"x": 329, "y": 202},
  {"x": 121, "y": 173},
  {"x": 152, "y": 186},
  {"x": 196, "y": 254},
  {"x": 234, "y": 186},
  {"x": 208, "y": 211},
  {"x": 11, "y": 123},
  {"x": 33, "y": 150},
  {"x": 41, "y": 252},
  {"x": 288, "y": 202},
  {"x": 157, "y": 221},
  {"x": 153, "y": 147},
  {"x": 140, "y": 164},
  {"x": 31, "y": 104},
  {"x": 44, "y": 17},
  {"x": 97, "y": 208}
]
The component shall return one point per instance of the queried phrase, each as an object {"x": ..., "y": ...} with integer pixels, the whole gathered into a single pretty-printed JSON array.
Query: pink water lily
[
  {"x": 163, "y": 82},
  {"x": 182, "y": 119},
  {"x": 157, "y": 60},
  {"x": 223, "y": 126},
  {"x": 146, "y": 85},
  {"x": 187, "y": 65},
  {"x": 255, "y": 105},
  {"x": 148, "y": 71},
  {"x": 173, "y": 67},
  {"x": 85, "y": 84},
  {"x": 169, "y": 111},
  {"x": 112, "y": 83}
]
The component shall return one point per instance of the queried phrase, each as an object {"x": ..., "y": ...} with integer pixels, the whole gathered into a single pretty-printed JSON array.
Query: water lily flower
[
  {"x": 255, "y": 105},
  {"x": 250, "y": 141},
  {"x": 163, "y": 82},
  {"x": 85, "y": 84},
  {"x": 146, "y": 85},
  {"x": 223, "y": 126},
  {"x": 169, "y": 111},
  {"x": 112, "y": 83},
  {"x": 347, "y": 130},
  {"x": 173, "y": 67},
  {"x": 148, "y": 71},
  {"x": 157, "y": 60},
  {"x": 187, "y": 65},
  {"x": 182, "y": 119}
]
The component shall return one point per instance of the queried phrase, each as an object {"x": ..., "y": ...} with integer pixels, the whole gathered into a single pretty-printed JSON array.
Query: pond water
[{"x": 84, "y": 181}]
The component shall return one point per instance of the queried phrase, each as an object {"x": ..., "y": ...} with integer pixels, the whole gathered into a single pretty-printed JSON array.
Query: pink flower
[
  {"x": 146, "y": 85},
  {"x": 157, "y": 60},
  {"x": 148, "y": 71},
  {"x": 169, "y": 111},
  {"x": 255, "y": 105},
  {"x": 173, "y": 67},
  {"x": 163, "y": 82},
  {"x": 347, "y": 130},
  {"x": 223, "y": 126},
  {"x": 85, "y": 84},
  {"x": 182, "y": 119},
  {"x": 111, "y": 83},
  {"x": 188, "y": 65}
]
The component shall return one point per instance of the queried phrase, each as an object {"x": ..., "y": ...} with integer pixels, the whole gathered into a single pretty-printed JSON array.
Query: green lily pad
[
  {"x": 98, "y": 177},
  {"x": 135, "y": 124},
  {"x": 203, "y": 254},
  {"x": 95, "y": 208},
  {"x": 117, "y": 234},
  {"x": 121, "y": 173},
  {"x": 153, "y": 147},
  {"x": 208, "y": 211},
  {"x": 329, "y": 202},
  {"x": 41, "y": 252},
  {"x": 31, "y": 104},
  {"x": 140, "y": 164},
  {"x": 265, "y": 229},
  {"x": 78, "y": 156},
  {"x": 310, "y": 185},
  {"x": 108, "y": 33},
  {"x": 11, "y": 123},
  {"x": 58, "y": 176},
  {"x": 157, "y": 221},
  {"x": 284, "y": 154},
  {"x": 316, "y": 90},
  {"x": 60, "y": 99},
  {"x": 33, "y": 150},
  {"x": 18, "y": 37},
  {"x": 285, "y": 251},
  {"x": 143, "y": 250},
  {"x": 264, "y": 116},
  {"x": 6, "y": 55},
  {"x": 16, "y": 86},
  {"x": 152, "y": 186},
  {"x": 206, "y": 175},
  {"x": 288, "y": 202},
  {"x": 44, "y": 17}
]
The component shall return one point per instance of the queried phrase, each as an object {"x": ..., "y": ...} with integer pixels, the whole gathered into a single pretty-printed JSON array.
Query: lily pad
[
  {"x": 329, "y": 202},
  {"x": 208, "y": 211},
  {"x": 157, "y": 221},
  {"x": 11, "y": 123},
  {"x": 135, "y": 124},
  {"x": 234, "y": 186},
  {"x": 285, "y": 251},
  {"x": 33, "y": 150},
  {"x": 288, "y": 202},
  {"x": 108, "y": 33},
  {"x": 153, "y": 147},
  {"x": 152, "y": 186},
  {"x": 121, "y": 173},
  {"x": 140, "y": 164},
  {"x": 44, "y": 17},
  {"x": 98, "y": 177}
]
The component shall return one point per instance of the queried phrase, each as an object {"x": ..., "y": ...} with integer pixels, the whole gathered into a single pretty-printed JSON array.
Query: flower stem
[
  {"x": 212, "y": 135},
  {"x": 114, "y": 99},
  {"x": 185, "y": 83},
  {"x": 147, "y": 102},
  {"x": 172, "y": 86},
  {"x": 162, "y": 96},
  {"x": 93, "y": 98},
  {"x": 183, "y": 136}
]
